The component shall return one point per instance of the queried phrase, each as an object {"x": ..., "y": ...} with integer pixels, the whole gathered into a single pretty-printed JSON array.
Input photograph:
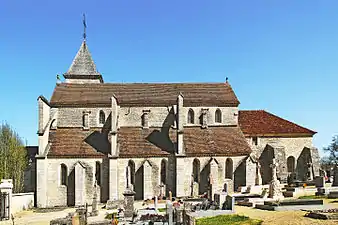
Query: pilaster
[
  {"x": 113, "y": 179},
  {"x": 180, "y": 122},
  {"x": 147, "y": 184}
]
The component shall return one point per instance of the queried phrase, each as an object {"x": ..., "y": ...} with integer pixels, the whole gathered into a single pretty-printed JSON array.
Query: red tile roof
[
  {"x": 262, "y": 123},
  {"x": 152, "y": 142},
  {"x": 143, "y": 94}
]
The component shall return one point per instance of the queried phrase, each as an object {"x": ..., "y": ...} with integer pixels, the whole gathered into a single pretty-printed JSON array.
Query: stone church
[{"x": 187, "y": 138}]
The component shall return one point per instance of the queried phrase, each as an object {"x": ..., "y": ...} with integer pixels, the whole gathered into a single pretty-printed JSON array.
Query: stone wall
[{"x": 22, "y": 201}]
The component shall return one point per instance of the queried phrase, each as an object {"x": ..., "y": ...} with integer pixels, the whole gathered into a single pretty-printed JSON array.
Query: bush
[{"x": 228, "y": 220}]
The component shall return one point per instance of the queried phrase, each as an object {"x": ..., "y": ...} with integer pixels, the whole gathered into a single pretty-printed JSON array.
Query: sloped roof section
[
  {"x": 143, "y": 94},
  {"x": 215, "y": 141},
  {"x": 83, "y": 63},
  {"x": 262, "y": 123}
]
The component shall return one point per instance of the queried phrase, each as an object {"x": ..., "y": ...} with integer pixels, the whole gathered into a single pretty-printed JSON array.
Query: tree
[
  {"x": 13, "y": 157},
  {"x": 332, "y": 149}
]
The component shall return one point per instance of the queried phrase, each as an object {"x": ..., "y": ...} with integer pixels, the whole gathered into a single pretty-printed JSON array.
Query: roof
[
  {"x": 262, "y": 123},
  {"x": 216, "y": 141},
  {"x": 151, "y": 142},
  {"x": 143, "y": 94},
  {"x": 83, "y": 63}
]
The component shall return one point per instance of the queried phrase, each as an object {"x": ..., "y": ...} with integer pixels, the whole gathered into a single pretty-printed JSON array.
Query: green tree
[
  {"x": 13, "y": 157},
  {"x": 332, "y": 150}
]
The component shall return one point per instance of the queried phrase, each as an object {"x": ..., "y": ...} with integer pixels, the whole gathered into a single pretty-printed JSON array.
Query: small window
[
  {"x": 218, "y": 116},
  {"x": 63, "y": 174},
  {"x": 255, "y": 140},
  {"x": 102, "y": 117},
  {"x": 98, "y": 173},
  {"x": 191, "y": 116}
]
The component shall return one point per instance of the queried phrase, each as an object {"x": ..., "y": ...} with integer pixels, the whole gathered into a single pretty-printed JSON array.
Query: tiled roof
[
  {"x": 73, "y": 142},
  {"x": 143, "y": 94},
  {"x": 152, "y": 142},
  {"x": 262, "y": 123},
  {"x": 223, "y": 141}
]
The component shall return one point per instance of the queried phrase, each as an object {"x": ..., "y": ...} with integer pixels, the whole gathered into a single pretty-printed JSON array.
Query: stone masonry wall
[{"x": 56, "y": 194}]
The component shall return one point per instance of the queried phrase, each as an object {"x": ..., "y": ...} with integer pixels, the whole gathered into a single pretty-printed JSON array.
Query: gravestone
[
  {"x": 128, "y": 202},
  {"x": 155, "y": 203},
  {"x": 229, "y": 203},
  {"x": 320, "y": 181},
  {"x": 275, "y": 191},
  {"x": 170, "y": 212},
  {"x": 258, "y": 174},
  {"x": 229, "y": 185},
  {"x": 95, "y": 211},
  {"x": 335, "y": 177}
]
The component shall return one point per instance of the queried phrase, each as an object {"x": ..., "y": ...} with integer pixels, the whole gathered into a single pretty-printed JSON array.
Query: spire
[
  {"x": 83, "y": 63},
  {"x": 83, "y": 68}
]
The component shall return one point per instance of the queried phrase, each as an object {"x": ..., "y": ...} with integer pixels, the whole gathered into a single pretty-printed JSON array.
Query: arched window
[
  {"x": 228, "y": 168},
  {"x": 218, "y": 116},
  {"x": 164, "y": 171},
  {"x": 84, "y": 120},
  {"x": 98, "y": 173},
  {"x": 131, "y": 165},
  {"x": 291, "y": 164},
  {"x": 102, "y": 117},
  {"x": 191, "y": 116},
  {"x": 196, "y": 170},
  {"x": 63, "y": 174}
]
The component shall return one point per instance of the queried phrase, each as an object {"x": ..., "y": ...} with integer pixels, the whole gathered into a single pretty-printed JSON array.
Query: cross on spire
[{"x": 84, "y": 27}]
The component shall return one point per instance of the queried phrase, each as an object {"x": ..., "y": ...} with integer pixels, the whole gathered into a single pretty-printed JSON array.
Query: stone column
[
  {"x": 113, "y": 132},
  {"x": 147, "y": 184},
  {"x": 180, "y": 122},
  {"x": 80, "y": 194}
]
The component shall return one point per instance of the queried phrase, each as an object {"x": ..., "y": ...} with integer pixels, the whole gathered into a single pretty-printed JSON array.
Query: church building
[{"x": 187, "y": 138}]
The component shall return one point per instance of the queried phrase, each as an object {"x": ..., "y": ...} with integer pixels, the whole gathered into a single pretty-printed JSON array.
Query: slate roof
[
  {"x": 152, "y": 142},
  {"x": 262, "y": 123},
  {"x": 83, "y": 63},
  {"x": 143, "y": 94}
]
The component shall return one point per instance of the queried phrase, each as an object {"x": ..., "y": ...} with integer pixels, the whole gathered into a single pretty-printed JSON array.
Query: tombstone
[
  {"x": 129, "y": 202},
  {"x": 275, "y": 191},
  {"x": 81, "y": 212},
  {"x": 320, "y": 181},
  {"x": 229, "y": 185},
  {"x": 170, "y": 212},
  {"x": 229, "y": 203},
  {"x": 95, "y": 211},
  {"x": 155, "y": 203},
  {"x": 335, "y": 177}
]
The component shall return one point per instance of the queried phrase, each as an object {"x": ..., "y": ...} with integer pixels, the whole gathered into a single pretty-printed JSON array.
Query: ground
[{"x": 39, "y": 217}]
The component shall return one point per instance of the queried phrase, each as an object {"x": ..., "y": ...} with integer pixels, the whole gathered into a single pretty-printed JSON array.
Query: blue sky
[{"x": 280, "y": 56}]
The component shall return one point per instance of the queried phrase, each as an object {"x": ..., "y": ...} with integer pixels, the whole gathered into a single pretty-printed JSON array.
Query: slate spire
[{"x": 83, "y": 67}]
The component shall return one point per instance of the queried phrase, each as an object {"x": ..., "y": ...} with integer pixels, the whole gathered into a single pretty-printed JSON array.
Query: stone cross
[
  {"x": 309, "y": 165},
  {"x": 274, "y": 165},
  {"x": 258, "y": 174}
]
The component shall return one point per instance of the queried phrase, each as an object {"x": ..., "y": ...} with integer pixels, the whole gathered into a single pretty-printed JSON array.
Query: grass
[
  {"x": 110, "y": 215},
  {"x": 312, "y": 197},
  {"x": 161, "y": 209},
  {"x": 228, "y": 220}
]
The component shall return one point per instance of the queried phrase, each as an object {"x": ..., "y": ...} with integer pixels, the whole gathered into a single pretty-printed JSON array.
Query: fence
[{"x": 4, "y": 206}]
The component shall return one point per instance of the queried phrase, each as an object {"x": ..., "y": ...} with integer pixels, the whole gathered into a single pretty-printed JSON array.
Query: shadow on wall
[
  {"x": 71, "y": 189},
  {"x": 139, "y": 183},
  {"x": 100, "y": 140},
  {"x": 240, "y": 175},
  {"x": 302, "y": 167},
  {"x": 265, "y": 160},
  {"x": 161, "y": 138}
]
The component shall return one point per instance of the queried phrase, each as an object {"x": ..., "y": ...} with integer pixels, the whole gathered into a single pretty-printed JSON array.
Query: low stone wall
[{"x": 22, "y": 201}]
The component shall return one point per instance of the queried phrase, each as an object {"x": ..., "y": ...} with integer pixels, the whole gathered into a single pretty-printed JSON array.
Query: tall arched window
[
  {"x": 98, "y": 173},
  {"x": 63, "y": 175},
  {"x": 102, "y": 117},
  {"x": 218, "y": 116},
  {"x": 191, "y": 116},
  {"x": 164, "y": 171},
  {"x": 131, "y": 165},
  {"x": 228, "y": 168},
  {"x": 196, "y": 170}
]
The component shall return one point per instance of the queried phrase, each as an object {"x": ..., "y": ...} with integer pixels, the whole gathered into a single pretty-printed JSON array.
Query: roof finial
[
  {"x": 226, "y": 79},
  {"x": 84, "y": 27}
]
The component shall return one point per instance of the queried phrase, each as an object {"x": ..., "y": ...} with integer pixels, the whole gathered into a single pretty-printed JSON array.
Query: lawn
[{"x": 228, "y": 220}]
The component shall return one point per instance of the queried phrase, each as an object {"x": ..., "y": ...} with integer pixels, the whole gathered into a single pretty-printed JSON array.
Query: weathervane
[{"x": 84, "y": 27}]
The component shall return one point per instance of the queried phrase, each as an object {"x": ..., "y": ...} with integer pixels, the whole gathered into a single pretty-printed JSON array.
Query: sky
[{"x": 280, "y": 56}]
